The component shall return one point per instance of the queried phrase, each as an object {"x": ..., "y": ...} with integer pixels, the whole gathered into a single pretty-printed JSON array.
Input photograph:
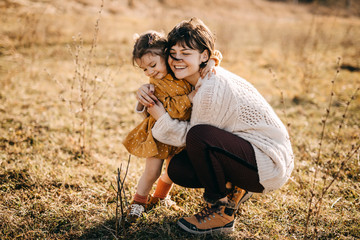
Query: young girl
[{"x": 176, "y": 96}]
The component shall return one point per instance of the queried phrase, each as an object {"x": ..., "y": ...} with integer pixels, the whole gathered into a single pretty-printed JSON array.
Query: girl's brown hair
[
  {"x": 193, "y": 34},
  {"x": 149, "y": 42}
]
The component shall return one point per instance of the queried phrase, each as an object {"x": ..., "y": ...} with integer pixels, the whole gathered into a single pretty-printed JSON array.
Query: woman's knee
[
  {"x": 198, "y": 133},
  {"x": 178, "y": 167},
  {"x": 173, "y": 171}
]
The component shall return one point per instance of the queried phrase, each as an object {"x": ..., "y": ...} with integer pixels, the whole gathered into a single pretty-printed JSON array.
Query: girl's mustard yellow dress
[{"x": 174, "y": 96}]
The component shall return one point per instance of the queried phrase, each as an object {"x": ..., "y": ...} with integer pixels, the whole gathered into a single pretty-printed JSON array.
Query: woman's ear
[{"x": 204, "y": 56}]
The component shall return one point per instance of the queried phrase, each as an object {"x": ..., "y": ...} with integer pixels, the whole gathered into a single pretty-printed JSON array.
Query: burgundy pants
[{"x": 212, "y": 158}]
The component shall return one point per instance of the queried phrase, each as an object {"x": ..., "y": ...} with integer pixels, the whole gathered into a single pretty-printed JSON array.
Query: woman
[{"x": 233, "y": 136}]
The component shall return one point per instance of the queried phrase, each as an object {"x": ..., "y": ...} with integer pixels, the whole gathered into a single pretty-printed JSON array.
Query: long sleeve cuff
[{"x": 141, "y": 109}]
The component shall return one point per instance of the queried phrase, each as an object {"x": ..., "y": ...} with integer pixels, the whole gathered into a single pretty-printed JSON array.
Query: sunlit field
[{"x": 67, "y": 98}]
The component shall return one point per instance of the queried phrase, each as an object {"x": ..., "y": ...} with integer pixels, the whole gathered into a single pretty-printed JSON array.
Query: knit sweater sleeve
[
  {"x": 173, "y": 132},
  {"x": 170, "y": 131}
]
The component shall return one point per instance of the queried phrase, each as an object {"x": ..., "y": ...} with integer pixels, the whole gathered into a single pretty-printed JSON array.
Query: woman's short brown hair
[{"x": 193, "y": 34}]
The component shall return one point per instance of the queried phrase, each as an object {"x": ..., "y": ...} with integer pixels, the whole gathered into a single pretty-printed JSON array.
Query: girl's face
[
  {"x": 186, "y": 64},
  {"x": 153, "y": 65}
]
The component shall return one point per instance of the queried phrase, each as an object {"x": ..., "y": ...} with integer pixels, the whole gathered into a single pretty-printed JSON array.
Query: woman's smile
[
  {"x": 185, "y": 62},
  {"x": 178, "y": 68}
]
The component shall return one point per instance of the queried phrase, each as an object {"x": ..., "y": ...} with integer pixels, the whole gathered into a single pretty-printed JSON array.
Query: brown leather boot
[
  {"x": 213, "y": 218},
  {"x": 238, "y": 195}
]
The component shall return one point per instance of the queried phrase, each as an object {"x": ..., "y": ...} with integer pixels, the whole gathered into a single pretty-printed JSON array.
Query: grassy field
[{"x": 67, "y": 97}]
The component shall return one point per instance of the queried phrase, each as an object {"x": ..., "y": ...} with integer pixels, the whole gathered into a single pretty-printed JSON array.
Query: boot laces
[
  {"x": 232, "y": 194},
  {"x": 136, "y": 209},
  {"x": 234, "y": 191},
  {"x": 207, "y": 213}
]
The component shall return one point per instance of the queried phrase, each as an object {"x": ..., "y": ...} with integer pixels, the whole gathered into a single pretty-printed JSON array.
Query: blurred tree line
[
  {"x": 131, "y": 3},
  {"x": 338, "y": 3},
  {"x": 351, "y": 6},
  {"x": 344, "y": 3}
]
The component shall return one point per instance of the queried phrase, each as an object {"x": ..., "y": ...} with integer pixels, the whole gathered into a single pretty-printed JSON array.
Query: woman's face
[
  {"x": 186, "y": 64},
  {"x": 153, "y": 65}
]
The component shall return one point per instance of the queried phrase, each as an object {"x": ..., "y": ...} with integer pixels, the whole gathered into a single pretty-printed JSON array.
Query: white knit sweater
[{"x": 229, "y": 102}]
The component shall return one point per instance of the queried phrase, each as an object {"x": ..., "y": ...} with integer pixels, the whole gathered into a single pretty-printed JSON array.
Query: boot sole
[{"x": 224, "y": 229}]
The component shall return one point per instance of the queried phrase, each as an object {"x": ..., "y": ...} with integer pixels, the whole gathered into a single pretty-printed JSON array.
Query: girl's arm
[
  {"x": 141, "y": 109},
  {"x": 215, "y": 60},
  {"x": 173, "y": 131},
  {"x": 216, "y": 57},
  {"x": 177, "y": 106}
]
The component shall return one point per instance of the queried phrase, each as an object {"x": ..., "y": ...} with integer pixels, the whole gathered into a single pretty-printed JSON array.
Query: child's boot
[
  {"x": 166, "y": 202},
  {"x": 135, "y": 211}
]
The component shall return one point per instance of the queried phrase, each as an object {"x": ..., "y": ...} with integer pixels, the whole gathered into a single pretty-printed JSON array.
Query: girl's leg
[
  {"x": 163, "y": 188},
  {"x": 150, "y": 175},
  {"x": 165, "y": 177},
  {"x": 147, "y": 179},
  {"x": 164, "y": 184}
]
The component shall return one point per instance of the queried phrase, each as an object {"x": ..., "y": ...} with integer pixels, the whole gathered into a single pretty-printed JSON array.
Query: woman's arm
[
  {"x": 166, "y": 129},
  {"x": 177, "y": 106},
  {"x": 170, "y": 131}
]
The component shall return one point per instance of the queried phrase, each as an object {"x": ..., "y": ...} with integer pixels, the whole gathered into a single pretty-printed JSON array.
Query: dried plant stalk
[
  {"x": 85, "y": 90},
  {"x": 316, "y": 199},
  {"x": 121, "y": 200}
]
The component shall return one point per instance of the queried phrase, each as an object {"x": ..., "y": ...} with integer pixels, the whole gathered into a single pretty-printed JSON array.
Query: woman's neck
[{"x": 193, "y": 79}]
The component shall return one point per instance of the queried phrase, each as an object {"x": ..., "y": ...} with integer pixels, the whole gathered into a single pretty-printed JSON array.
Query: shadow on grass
[{"x": 165, "y": 228}]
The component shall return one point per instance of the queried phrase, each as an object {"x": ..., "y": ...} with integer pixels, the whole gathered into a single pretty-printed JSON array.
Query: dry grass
[{"x": 48, "y": 191}]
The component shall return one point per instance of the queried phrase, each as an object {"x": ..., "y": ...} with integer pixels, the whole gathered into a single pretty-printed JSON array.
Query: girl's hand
[
  {"x": 157, "y": 110},
  {"x": 145, "y": 95},
  {"x": 192, "y": 95},
  {"x": 210, "y": 67}
]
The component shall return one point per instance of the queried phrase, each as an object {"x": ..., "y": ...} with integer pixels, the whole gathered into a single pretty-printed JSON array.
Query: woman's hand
[
  {"x": 210, "y": 67},
  {"x": 145, "y": 95},
  {"x": 157, "y": 110}
]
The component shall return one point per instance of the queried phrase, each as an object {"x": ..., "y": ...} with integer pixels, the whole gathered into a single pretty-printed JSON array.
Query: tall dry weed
[
  {"x": 88, "y": 86},
  {"x": 335, "y": 156}
]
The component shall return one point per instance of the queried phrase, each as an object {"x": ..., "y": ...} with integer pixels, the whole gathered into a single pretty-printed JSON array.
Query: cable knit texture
[{"x": 228, "y": 101}]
